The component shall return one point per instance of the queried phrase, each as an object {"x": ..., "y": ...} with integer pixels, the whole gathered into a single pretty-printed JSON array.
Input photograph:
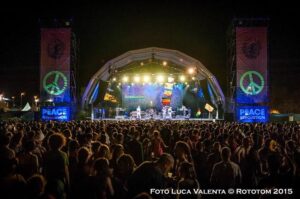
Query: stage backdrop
[
  {"x": 150, "y": 96},
  {"x": 55, "y": 64},
  {"x": 252, "y": 65}
]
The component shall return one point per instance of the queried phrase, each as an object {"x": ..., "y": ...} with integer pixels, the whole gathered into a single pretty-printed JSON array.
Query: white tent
[{"x": 27, "y": 107}]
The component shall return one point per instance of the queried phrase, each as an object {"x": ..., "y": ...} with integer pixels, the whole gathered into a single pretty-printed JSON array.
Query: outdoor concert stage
[{"x": 154, "y": 82}]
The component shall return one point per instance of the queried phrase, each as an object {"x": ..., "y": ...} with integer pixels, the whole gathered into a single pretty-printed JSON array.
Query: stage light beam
[
  {"x": 160, "y": 78},
  {"x": 146, "y": 78},
  {"x": 182, "y": 78},
  {"x": 170, "y": 79},
  {"x": 125, "y": 79},
  {"x": 191, "y": 70},
  {"x": 137, "y": 79}
]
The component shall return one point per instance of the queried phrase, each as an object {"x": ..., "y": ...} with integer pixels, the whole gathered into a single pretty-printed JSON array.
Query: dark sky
[{"x": 110, "y": 28}]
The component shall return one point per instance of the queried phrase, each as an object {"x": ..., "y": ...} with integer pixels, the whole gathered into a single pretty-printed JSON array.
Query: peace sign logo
[
  {"x": 55, "y": 83},
  {"x": 252, "y": 82}
]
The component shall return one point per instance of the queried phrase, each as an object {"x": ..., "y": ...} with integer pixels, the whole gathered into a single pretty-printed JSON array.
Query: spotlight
[
  {"x": 114, "y": 79},
  {"x": 142, "y": 63},
  {"x": 160, "y": 78},
  {"x": 191, "y": 70},
  {"x": 165, "y": 63},
  {"x": 193, "y": 78},
  {"x": 125, "y": 79},
  {"x": 182, "y": 78},
  {"x": 146, "y": 78},
  {"x": 137, "y": 79},
  {"x": 170, "y": 79}
]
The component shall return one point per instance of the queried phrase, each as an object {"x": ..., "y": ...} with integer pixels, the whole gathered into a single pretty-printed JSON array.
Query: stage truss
[{"x": 175, "y": 57}]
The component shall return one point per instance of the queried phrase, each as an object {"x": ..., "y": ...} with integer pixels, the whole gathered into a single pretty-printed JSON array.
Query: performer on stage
[
  {"x": 102, "y": 113},
  {"x": 164, "y": 111},
  {"x": 117, "y": 111},
  {"x": 183, "y": 109},
  {"x": 151, "y": 113},
  {"x": 138, "y": 113},
  {"x": 170, "y": 112}
]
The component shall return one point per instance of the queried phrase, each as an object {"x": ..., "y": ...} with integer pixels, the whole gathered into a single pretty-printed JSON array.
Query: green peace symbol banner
[
  {"x": 248, "y": 84},
  {"x": 55, "y": 57},
  {"x": 251, "y": 65},
  {"x": 55, "y": 83}
]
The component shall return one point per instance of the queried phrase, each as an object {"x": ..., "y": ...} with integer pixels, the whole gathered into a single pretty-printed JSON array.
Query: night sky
[{"x": 110, "y": 28}]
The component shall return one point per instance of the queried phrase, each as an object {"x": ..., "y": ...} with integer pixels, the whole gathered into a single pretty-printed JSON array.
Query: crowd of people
[{"x": 126, "y": 159}]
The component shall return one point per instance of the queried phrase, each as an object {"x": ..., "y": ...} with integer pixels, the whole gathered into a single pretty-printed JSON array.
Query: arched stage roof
[{"x": 173, "y": 56}]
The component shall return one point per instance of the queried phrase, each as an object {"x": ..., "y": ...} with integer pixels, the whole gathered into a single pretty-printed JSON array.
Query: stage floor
[{"x": 173, "y": 119}]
